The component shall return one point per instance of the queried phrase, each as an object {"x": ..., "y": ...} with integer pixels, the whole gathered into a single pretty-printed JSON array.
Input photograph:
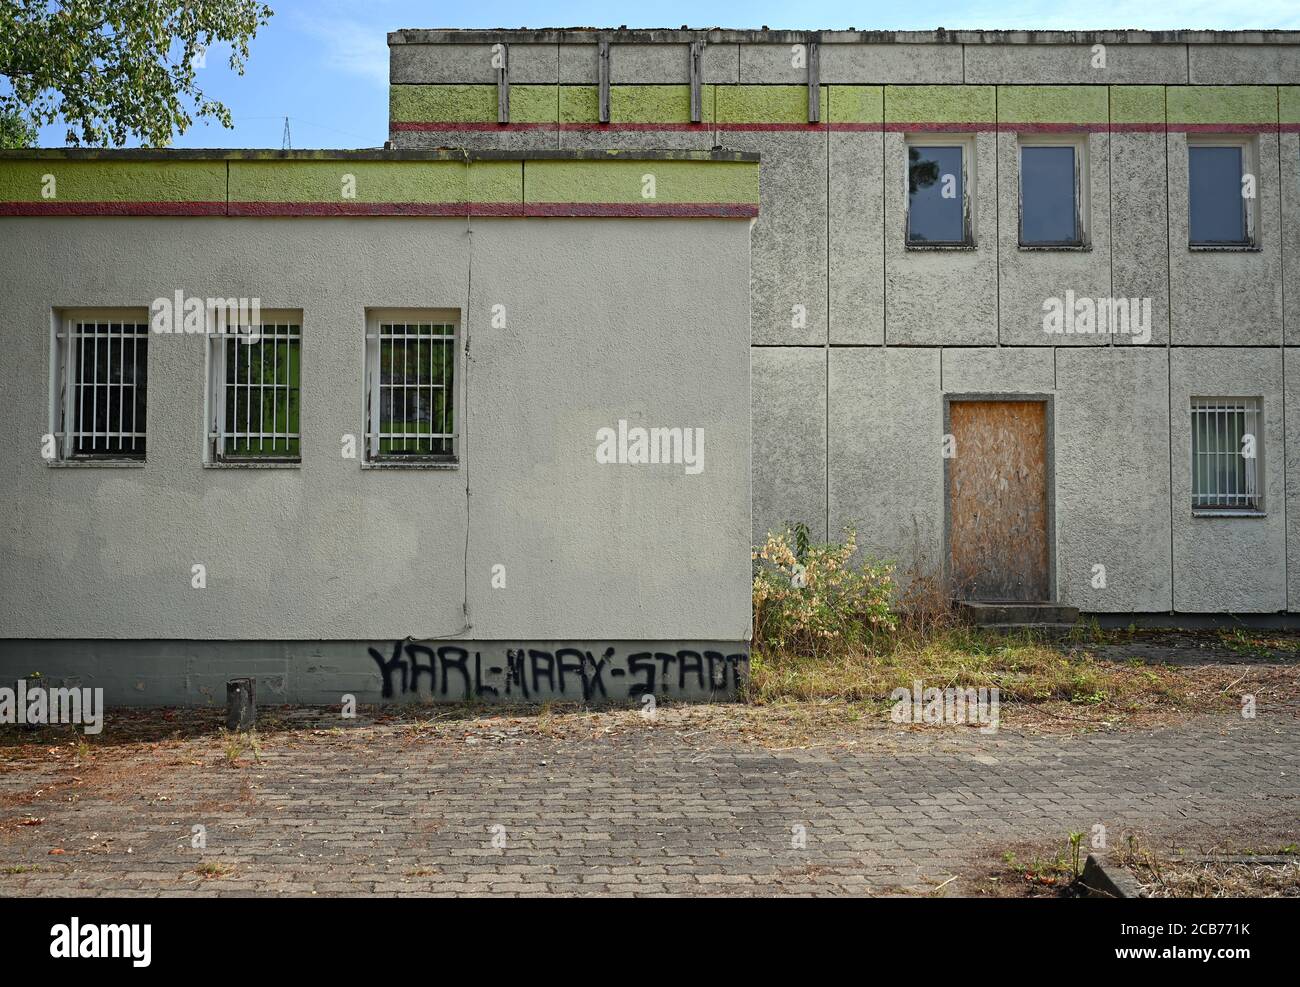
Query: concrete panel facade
[
  {"x": 856, "y": 341},
  {"x": 1235, "y": 564},
  {"x": 885, "y": 454},
  {"x": 1289, "y": 151},
  {"x": 789, "y": 444},
  {"x": 916, "y": 324},
  {"x": 856, "y": 217},
  {"x": 830, "y": 238},
  {"x": 941, "y": 296},
  {"x": 1029, "y": 276},
  {"x": 1082, "y": 65},
  {"x": 1237, "y": 65},
  {"x": 1226, "y": 296},
  {"x": 788, "y": 272},
  {"x": 1139, "y": 204},
  {"x": 1004, "y": 369},
  {"x": 1112, "y": 479},
  {"x": 1292, "y": 442},
  {"x": 472, "y": 63}
]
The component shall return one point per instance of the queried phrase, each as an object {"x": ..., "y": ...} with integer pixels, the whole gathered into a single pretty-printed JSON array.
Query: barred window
[
  {"x": 410, "y": 395},
  {"x": 100, "y": 403},
  {"x": 253, "y": 392},
  {"x": 1227, "y": 454}
]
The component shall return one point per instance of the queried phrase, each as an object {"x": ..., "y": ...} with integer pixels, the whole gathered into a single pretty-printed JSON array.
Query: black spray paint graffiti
[{"x": 456, "y": 673}]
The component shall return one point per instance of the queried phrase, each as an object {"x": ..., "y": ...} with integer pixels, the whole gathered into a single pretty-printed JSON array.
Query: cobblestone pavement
[{"x": 653, "y": 809}]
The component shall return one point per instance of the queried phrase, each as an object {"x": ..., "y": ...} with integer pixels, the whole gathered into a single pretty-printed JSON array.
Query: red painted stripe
[
  {"x": 920, "y": 126},
  {"x": 761, "y": 127},
  {"x": 349, "y": 209},
  {"x": 1289, "y": 128},
  {"x": 1052, "y": 128},
  {"x": 689, "y": 209},
  {"x": 1224, "y": 128},
  {"x": 270, "y": 209},
  {"x": 636, "y": 127},
  {"x": 938, "y": 128},
  {"x": 1138, "y": 128},
  {"x": 53, "y": 208},
  {"x": 487, "y": 125},
  {"x": 434, "y": 127}
]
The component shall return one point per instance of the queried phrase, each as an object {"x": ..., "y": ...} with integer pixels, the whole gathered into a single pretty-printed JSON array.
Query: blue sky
[{"x": 324, "y": 63}]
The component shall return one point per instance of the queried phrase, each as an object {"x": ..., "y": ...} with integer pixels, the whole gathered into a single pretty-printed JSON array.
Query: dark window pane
[
  {"x": 935, "y": 213},
  {"x": 1048, "y": 214},
  {"x": 1216, "y": 209}
]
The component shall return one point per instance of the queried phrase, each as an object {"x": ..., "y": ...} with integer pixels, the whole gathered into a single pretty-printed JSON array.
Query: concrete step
[{"x": 1017, "y": 613}]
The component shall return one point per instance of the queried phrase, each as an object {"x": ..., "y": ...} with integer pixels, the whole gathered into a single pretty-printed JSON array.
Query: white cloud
[{"x": 349, "y": 46}]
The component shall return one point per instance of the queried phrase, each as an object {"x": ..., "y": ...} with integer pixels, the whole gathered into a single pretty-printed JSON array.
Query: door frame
[{"x": 1049, "y": 414}]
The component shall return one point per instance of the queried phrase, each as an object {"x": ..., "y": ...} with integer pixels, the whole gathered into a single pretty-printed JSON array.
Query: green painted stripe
[
  {"x": 469, "y": 104},
  {"x": 623, "y": 181},
  {"x": 1137, "y": 104},
  {"x": 376, "y": 181},
  {"x": 324, "y": 181},
  {"x": 1052, "y": 104},
  {"x": 764, "y": 104},
  {"x": 114, "y": 181},
  {"x": 634, "y": 104},
  {"x": 1288, "y": 98},
  {"x": 496, "y": 181},
  {"x": 1222, "y": 104},
  {"x": 855, "y": 104},
  {"x": 939, "y": 104}
]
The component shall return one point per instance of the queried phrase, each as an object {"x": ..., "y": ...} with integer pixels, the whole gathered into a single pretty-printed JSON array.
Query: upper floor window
[
  {"x": 411, "y": 387},
  {"x": 1227, "y": 455},
  {"x": 938, "y": 193},
  {"x": 98, "y": 409},
  {"x": 1221, "y": 192},
  {"x": 1051, "y": 193}
]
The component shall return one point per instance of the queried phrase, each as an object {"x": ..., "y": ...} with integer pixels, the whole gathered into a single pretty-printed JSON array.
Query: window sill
[
  {"x": 426, "y": 465},
  {"x": 1224, "y": 248},
  {"x": 938, "y": 247},
  {"x": 96, "y": 463},
  {"x": 1222, "y": 512},
  {"x": 1067, "y": 248},
  {"x": 233, "y": 465}
]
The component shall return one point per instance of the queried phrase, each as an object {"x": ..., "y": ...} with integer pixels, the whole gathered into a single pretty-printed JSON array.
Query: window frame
[
  {"x": 967, "y": 145},
  {"x": 62, "y": 405},
  {"x": 1249, "y": 145},
  {"x": 371, "y": 458},
  {"x": 1082, "y": 173},
  {"x": 214, "y": 403},
  {"x": 1253, "y": 475}
]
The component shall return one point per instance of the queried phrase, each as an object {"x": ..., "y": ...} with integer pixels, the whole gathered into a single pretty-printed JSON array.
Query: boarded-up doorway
[{"x": 998, "y": 520}]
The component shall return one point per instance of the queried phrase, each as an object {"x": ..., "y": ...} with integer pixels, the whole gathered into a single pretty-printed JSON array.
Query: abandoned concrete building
[{"x": 1022, "y": 308}]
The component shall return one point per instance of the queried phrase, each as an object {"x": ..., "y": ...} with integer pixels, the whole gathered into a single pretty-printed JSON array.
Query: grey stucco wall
[{"x": 646, "y": 320}]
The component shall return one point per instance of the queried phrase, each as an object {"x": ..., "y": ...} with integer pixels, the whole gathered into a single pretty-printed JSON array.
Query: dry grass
[
  {"x": 211, "y": 869},
  {"x": 1028, "y": 671},
  {"x": 1162, "y": 875}
]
